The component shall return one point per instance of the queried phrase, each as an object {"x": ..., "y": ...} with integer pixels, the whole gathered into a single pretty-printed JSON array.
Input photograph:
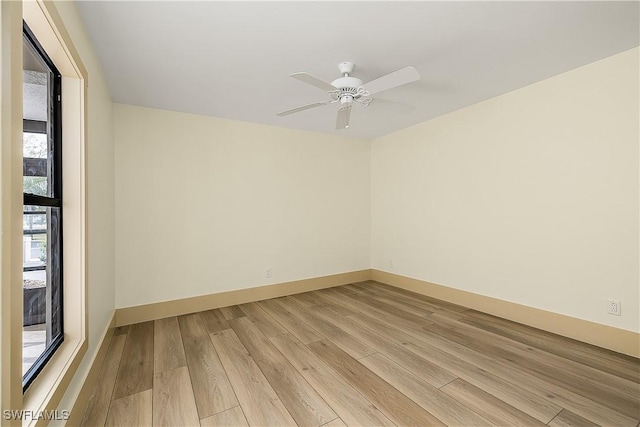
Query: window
[{"x": 42, "y": 212}]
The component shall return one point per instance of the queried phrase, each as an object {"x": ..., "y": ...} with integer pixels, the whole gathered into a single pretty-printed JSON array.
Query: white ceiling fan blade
[
  {"x": 397, "y": 78},
  {"x": 302, "y": 108},
  {"x": 313, "y": 81},
  {"x": 344, "y": 114}
]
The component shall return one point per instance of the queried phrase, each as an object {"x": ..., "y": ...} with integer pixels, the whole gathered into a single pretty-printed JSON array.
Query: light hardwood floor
[{"x": 362, "y": 354}]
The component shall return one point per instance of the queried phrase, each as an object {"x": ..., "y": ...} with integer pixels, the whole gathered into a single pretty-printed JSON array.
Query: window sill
[{"x": 48, "y": 388}]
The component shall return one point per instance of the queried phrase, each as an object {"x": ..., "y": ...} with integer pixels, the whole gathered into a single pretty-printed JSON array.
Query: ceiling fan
[{"x": 346, "y": 90}]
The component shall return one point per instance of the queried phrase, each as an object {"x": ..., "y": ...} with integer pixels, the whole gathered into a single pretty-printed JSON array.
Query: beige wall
[
  {"x": 100, "y": 199},
  {"x": 531, "y": 197},
  {"x": 205, "y": 205}
]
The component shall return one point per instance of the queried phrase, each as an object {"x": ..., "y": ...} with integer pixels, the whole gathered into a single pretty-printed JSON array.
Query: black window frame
[{"x": 53, "y": 128}]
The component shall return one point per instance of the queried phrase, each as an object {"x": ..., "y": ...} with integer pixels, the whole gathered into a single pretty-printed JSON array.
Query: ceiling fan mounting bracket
[{"x": 346, "y": 68}]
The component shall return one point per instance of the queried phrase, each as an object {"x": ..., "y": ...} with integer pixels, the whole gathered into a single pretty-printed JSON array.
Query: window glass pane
[
  {"x": 41, "y": 281},
  {"x": 37, "y": 112},
  {"x": 35, "y": 90},
  {"x": 34, "y": 145},
  {"x": 36, "y": 185},
  {"x": 34, "y": 261},
  {"x": 34, "y": 224}
]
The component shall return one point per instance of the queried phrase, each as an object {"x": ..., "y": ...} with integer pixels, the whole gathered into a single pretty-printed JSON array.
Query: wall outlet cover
[{"x": 614, "y": 307}]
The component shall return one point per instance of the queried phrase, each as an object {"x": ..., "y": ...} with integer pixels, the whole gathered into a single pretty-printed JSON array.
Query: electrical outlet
[
  {"x": 614, "y": 307},
  {"x": 268, "y": 273}
]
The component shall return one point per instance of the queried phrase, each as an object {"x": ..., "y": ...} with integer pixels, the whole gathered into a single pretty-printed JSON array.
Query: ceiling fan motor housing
[
  {"x": 347, "y": 89},
  {"x": 347, "y": 82}
]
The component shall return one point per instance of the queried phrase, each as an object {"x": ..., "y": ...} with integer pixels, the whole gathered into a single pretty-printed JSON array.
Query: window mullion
[{"x": 37, "y": 200}]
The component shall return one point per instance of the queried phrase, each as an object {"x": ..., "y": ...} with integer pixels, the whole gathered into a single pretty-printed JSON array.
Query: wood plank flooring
[{"x": 365, "y": 354}]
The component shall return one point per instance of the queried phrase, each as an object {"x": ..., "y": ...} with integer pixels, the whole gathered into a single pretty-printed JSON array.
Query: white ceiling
[{"x": 232, "y": 59}]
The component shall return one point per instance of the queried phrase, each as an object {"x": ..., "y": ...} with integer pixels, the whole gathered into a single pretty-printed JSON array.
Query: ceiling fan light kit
[{"x": 346, "y": 90}]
